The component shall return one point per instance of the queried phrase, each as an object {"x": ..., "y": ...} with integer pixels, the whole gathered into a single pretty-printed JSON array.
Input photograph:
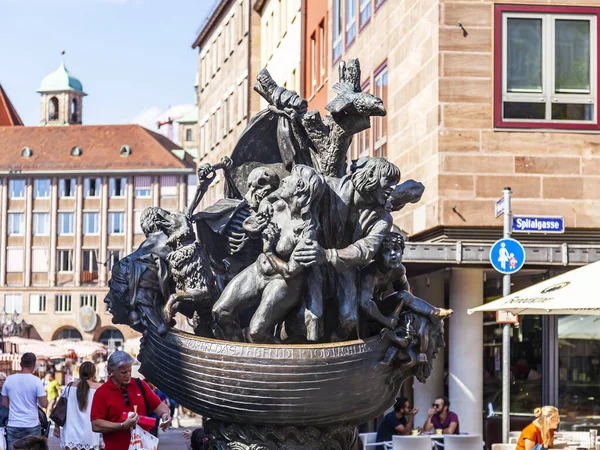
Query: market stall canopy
[
  {"x": 574, "y": 292},
  {"x": 62, "y": 348}
]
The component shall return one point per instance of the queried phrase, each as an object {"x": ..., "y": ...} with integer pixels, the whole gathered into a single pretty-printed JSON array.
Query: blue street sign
[
  {"x": 534, "y": 224},
  {"x": 500, "y": 207},
  {"x": 507, "y": 256}
]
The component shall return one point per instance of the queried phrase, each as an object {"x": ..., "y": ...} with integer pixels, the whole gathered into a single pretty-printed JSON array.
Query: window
[
  {"x": 53, "y": 109},
  {"x": 203, "y": 140},
  {"x": 66, "y": 187},
  {"x": 16, "y": 188},
  {"x": 91, "y": 187},
  {"x": 361, "y": 144},
  {"x": 313, "y": 62},
  {"x": 74, "y": 117},
  {"x": 113, "y": 258},
  {"x": 90, "y": 223},
  {"x": 168, "y": 186},
  {"x": 41, "y": 224},
  {"x": 338, "y": 24},
  {"x": 37, "y": 303},
  {"x": 12, "y": 304},
  {"x": 39, "y": 260},
  {"x": 117, "y": 187},
  {"x": 116, "y": 222},
  {"x": 65, "y": 260},
  {"x": 188, "y": 134},
  {"x": 14, "y": 260},
  {"x": 365, "y": 12},
  {"x": 231, "y": 112},
  {"x": 350, "y": 21},
  {"x": 378, "y": 3},
  {"x": 380, "y": 123},
  {"x": 225, "y": 116},
  {"x": 323, "y": 52},
  {"x": 88, "y": 300},
  {"x": 142, "y": 186},
  {"x": 41, "y": 188},
  {"x": 241, "y": 99},
  {"x": 16, "y": 223},
  {"x": 548, "y": 61},
  {"x": 62, "y": 303},
  {"x": 89, "y": 260},
  {"x": 66, "y": 223}
]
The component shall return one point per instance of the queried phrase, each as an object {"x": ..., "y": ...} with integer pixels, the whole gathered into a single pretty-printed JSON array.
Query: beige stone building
[
  {"x": 229, "y": 60},
  {"x": 70, "y": 203},
  {"x": 281, "y": 41},
  {"x": 482, "y": 95}
]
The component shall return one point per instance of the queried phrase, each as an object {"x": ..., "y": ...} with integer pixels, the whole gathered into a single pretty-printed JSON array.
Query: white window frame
[
  {"x": 548, "y": 96},
  {"x": 168, "y": 190},
  {"x": 88, "y": 300},
  {"x": 350, "y": 8},
  {"x": 87, "y": 184},
  {"x": 36, "y": 217},
  {"x": 20, "y": 217},
  {"x": 313, "y": 61},
  {"x": 63, "y": 304},
  {"x": 40, "y": 301},
  {"x": 363, "y": 5},
  {"x": 323, "y": 50},
  {"x": 69, "y": 254},
  {"x": 61, "y": 187},
  {"x": 144, "y": 192},
  {"x": 110, "y": 263},
  {"x": 338, "y": 32},
  {"x": 93, "y": 256},
  {"x": 62, "y": 215},
  {"x": 116, "y": 218},
  {"x": 86, "y": 223},
  {"x": 36, "y": 188},
  {"x": 16, "y": 303},
  {"x": 12, "y": 184},
  {"x": 113, "y": 187}
]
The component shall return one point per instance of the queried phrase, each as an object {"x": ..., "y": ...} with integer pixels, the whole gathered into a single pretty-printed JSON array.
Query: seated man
[
  {"x": 399, "y": 421},
  {"x": 439, "y": 417}
]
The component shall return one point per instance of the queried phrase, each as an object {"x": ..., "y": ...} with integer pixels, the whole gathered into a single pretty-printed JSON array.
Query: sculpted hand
[
  {"x": 310, "y": 254},
  {"x": 270, "y": 234}
]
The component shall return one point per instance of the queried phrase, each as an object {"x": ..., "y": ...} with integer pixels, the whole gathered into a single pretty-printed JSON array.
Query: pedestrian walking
[
  {"x": 53, "y": 392},
  {"x": 3, "y": 409},
  {"x": 123, "y": 394},
  {"x": 77, "y": 432},
  {"x": 21, "y": 394}
]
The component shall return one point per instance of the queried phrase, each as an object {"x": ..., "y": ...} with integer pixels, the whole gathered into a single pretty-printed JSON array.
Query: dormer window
[
  {"x": 26, "y": 152},
  {"x": 76, "y": 151},
  {"x": 125, "y": 150}
]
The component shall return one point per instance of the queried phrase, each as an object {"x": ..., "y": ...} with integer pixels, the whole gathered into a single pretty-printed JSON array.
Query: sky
[{"x": 133, "y": 57}]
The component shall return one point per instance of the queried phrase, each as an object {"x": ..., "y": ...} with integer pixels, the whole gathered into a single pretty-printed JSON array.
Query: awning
[
  {"x": 574, "y": 292},
  {"x": 62, "y": 348}
]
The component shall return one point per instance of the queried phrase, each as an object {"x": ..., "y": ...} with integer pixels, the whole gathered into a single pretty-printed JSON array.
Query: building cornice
[
  {"x": 212, "y": 21},
  {"x": 106, "y": 171}
]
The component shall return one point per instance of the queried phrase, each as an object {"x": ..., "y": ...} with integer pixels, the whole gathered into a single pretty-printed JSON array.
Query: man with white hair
[{"x": 119, "y": 395}]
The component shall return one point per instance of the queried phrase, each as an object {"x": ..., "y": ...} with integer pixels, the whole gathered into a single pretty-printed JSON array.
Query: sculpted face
[
  {"x": 391, "y": 257},
  {"x": 261, "y": 182},
  {"x": 384, "y": 190}
]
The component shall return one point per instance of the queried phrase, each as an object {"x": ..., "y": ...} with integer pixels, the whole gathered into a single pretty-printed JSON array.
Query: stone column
[
  {"x": 28, "y": 230},
  {"x": 465, "y": 344},
  {"x": 181, "y": 184},
  {"x": 155, "y": 191},
  {"x": 129, "y": 218},
  {"x": 430, "y": 288},
  {"x": 103, "y": 232},
  {"x": 53, "y": 229},
  {"x": 4, "y": 232},
  {"x": 78, "y": 230}
]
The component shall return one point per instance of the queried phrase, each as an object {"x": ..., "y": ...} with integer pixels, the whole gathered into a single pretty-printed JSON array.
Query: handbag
[
  {"x": 142, "y": 440},
  {"x": 58, "y": 415},
  {"x": 154, "y": 430},
  {"x": 539, "y": 447}
]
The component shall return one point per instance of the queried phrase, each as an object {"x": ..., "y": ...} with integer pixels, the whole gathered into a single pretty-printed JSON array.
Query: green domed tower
[{"x": 62, "y": 98}]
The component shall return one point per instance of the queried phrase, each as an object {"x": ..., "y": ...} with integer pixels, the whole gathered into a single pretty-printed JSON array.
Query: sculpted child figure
[
  {"x": 375, "y": 279},
  {"x": 274, "y": 281}
]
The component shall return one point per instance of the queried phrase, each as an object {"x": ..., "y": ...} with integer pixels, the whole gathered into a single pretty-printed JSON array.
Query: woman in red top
[
  {"x": 541, "y": 430},
  {"x": 121, "y": 394}
]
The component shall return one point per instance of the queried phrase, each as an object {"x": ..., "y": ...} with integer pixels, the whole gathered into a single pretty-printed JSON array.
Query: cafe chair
[
  {"x": 463, "y": 442},
  {"x": 411, "y": 443},
  {"x": 369, "y": 441}
]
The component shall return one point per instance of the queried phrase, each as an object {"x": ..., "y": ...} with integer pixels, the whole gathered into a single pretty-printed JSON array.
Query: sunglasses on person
[
  {"x": 126, "y": 397},
  {"x": 437, "y": 405}
]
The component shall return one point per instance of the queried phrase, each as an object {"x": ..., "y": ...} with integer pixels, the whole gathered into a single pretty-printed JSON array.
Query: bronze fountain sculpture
[{"x": 304, "y": 323}]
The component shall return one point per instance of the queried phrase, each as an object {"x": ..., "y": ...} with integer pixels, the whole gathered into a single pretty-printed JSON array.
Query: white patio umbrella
[{"x": 574, "y": 292}]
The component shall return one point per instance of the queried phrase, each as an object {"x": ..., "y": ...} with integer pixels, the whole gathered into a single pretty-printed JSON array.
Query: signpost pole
[{"x": 506, "y": 329}]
